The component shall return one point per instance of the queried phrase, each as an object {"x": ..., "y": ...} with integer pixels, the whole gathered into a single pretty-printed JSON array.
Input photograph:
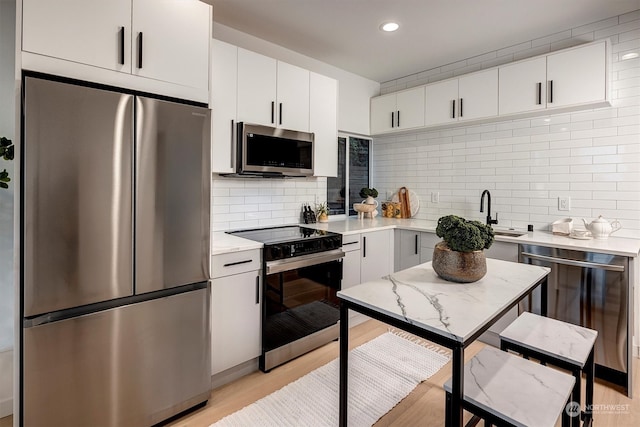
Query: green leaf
[{"x": 3, "y": 185}]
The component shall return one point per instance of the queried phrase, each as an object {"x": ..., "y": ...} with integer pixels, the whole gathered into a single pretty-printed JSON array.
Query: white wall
[
  {"x": 7, "y": 129},
  {"x": 251, "y": 202},
  {"x": 591, "y": 156}
]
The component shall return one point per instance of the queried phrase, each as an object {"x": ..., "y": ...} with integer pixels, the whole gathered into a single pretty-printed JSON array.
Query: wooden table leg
[{"x": 344, "y": 354}]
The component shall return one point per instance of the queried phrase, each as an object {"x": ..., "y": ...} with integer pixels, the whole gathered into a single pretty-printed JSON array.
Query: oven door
[{"x": 300, "y": 299}]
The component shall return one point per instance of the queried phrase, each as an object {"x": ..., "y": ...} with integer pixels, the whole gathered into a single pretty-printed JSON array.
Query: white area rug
[{"x": 382, "y": 372}]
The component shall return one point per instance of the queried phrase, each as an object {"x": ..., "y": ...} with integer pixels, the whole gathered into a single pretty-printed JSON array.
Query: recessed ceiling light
[
  {"x": 629, "y": 55},
  {"x": 389, "y": 26}
]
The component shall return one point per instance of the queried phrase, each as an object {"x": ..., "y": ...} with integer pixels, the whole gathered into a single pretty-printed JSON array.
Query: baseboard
[
  {"x": 6, "y": 407},
  {"x": 234, "y": 373}
]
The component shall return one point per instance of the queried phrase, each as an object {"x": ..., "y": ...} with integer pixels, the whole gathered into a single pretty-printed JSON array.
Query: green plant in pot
[
  {"x": 460, "y": 257},
  {"x": 368, "y": 194}
]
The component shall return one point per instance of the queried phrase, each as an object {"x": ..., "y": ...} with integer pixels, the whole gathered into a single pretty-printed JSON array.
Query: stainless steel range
[{"x": 302, "y": 270}]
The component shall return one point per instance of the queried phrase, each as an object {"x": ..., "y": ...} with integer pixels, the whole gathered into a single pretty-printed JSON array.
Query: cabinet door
[
  {"x": 351, "y": 269},
  {"x": 235, "y": 320},
  {"x": 407, "y": 249},
  {"x": 293, "y": 97},
  {"x": 224, "y": 75},
  {"x": 410, "y": 108},
  {"x": 441, "y": 102},
  {"x": 323, "y": 122},
  {"x": 428, "y": 241},
  {"x": 522, "y": 86},
  {"x": 84, "y": 31},
  {"x": 376, "y": 249},
  {"x": 175, "y": 43},
  {"x": 478, "y": 95},
  {"x": 256, "y": 88},
  {"x": 577, "y": 76},
  {"x": 382, "y": 119}
]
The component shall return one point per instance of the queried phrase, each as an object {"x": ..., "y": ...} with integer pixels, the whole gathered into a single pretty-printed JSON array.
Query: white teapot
[{"x": 600, "y": 228}]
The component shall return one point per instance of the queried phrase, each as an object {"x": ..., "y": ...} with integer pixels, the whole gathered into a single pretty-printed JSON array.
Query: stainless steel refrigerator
[{"x": 114, "y": 264}]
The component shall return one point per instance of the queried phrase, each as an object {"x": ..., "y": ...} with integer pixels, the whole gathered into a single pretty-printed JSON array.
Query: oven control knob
[
  {"x": 276, "y": 252},
  {"x": 286, "y": 250}
]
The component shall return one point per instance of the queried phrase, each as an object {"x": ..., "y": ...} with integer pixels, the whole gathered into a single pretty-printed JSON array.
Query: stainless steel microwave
[{"x": 273, "y": 152}]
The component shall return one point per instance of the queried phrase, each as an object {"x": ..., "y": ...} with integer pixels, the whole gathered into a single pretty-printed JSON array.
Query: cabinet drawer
[
  {"x": 429, "y": 240},
  {"x": 235, "y": 263},
  {"x": 351, "y": 242}
]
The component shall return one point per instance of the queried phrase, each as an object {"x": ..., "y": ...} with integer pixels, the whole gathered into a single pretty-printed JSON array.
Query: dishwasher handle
[{"x": 564, "y": 261}]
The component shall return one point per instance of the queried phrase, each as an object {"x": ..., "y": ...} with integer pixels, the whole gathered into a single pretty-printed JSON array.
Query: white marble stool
[
  {"x": 558, "y": 343},
  {"x": 505, "y": 389}
]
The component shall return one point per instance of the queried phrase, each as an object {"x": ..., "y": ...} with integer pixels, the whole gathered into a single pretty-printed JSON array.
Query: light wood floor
[{"x": 423, "y": 407}]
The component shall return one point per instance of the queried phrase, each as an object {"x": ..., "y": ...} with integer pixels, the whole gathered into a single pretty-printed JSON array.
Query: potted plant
[
  {"x": 6, "y": 152},
  {"x": 322, "y": 212},
  {"x": 460, "y": 257},
  {"x": 368, "y": 194}
]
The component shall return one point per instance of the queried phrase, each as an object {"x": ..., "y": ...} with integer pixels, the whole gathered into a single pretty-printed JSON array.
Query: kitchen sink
[{"x": 509, "y": 233}]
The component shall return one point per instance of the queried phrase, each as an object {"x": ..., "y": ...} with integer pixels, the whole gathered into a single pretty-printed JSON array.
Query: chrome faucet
[{"x": 489, "y": 219}]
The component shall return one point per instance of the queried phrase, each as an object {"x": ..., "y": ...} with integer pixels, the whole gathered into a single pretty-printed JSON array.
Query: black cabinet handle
[
  {"x": 453, "y": 109},
  {"x": 233, "y": 144},
  {"x": 140, "y": 49},
  {"x": 257, "y": 289},
  {"x": 416, "y": 244},
  {"x": 550, "y": 91},
  {"x": 280, "y": 113},
  {"x": 364, "y": 247},
  {"x": 540, "y": 93},
  {"x": 273, "y": 111},
  {"x": 393, "y": 118},
  {"x": 460, "y": 107},
  {"x": 121, "y": 47},
  {"x": 349, "y": 243},
  {"x": 231, "y": 264},
  {"x": 398, "y": 120}
]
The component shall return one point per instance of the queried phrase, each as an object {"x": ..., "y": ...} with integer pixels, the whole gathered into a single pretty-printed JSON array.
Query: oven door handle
[{"x": 281, "y": 265}]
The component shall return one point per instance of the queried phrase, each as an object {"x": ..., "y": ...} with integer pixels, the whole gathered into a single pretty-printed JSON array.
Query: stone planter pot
[{"x": 459, "y": 267}]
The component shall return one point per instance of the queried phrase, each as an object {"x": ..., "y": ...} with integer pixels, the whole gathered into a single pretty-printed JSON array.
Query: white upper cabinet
[
  {"x": 572, "y": 77},
  {"x": 469, "y": 97},
  {"x": 93, "y": 32},
  {"x": 478, "y": 94},
  {"x": 171, "y": 41},
  {"x": 224, "y": 80},
  {"x": 567, "y": 80},
  {"x": 256, "y": 88},
  {"x": 272, "y": 93},
  {"x": 323, "y": 122},
  {"x": 398, "y": 111},
  {"x": 292, "y": 97},
  {"x": 577, "y": 76},
  {"x": 442, "y": 102},
  {"x": 107, "y": 35},
  {"x": 522, "y": 86}
]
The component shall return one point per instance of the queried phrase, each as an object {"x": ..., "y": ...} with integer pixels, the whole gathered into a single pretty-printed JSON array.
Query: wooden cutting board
[{"x": 405, "y": 206}]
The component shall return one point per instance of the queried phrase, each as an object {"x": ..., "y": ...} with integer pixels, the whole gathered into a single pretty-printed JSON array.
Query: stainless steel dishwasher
[{"x": 592, "y": 290}]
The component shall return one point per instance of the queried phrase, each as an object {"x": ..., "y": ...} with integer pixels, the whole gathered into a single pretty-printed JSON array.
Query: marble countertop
[
  {"x": 613, "y": 245},
  {"x": 454, "y": 310},
  {"x": 224, "y": 243}
]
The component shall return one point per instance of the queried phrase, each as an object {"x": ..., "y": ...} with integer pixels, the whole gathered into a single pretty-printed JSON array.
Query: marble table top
[
  {"x": 566, "y": 341},
  {"x": 521, "y": 391},
  {"x": 454, "y": 310}
]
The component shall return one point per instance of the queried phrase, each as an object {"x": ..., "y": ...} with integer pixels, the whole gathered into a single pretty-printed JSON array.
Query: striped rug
[{"x": 382, "y": 372}]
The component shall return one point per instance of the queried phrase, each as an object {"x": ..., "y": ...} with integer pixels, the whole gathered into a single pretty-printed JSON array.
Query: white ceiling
[{"x": 345, "y": 33}]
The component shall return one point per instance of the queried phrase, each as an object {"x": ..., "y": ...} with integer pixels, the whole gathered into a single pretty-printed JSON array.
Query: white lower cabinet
[
  {"x": 351, "y": 260},
  {"x": 376, "y": 254},
  {"x": 406, "y": 248},
  {"x": 235, "y": 309},
  {"x": 428, "y": 241}
]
